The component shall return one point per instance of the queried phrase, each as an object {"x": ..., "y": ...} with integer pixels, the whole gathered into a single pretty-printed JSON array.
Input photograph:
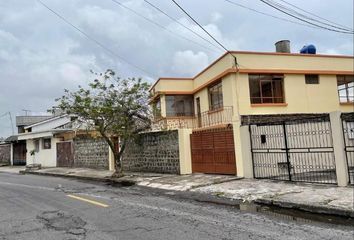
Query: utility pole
[{"x": 12, "y": 124}]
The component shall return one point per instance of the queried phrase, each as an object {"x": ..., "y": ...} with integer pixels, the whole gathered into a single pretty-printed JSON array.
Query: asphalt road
[{"x": 38, "y": 207}]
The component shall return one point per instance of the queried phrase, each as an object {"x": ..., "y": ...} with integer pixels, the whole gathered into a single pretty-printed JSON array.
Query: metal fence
[
  {"x": 348, "y": 133},
  {"x": 294, "y": 150}
]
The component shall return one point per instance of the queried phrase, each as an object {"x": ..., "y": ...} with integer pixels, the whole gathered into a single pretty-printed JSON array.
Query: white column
[
  {"x": 338, "y": 146},
  {"x": 243, "y": 151},
  {"x": 185, "y": 155}
]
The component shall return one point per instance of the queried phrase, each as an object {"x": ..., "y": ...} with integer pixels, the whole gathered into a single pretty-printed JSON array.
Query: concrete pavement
[
  {"x": 36, "y": 207},
  {"x": 315, "y": 198}
]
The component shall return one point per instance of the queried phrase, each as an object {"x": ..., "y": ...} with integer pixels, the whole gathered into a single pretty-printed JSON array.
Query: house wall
[
  {"x": 278, "y": 61},
  {"x": 299, "y": 96},
  {"x": 176, "y": 84},
  {"x": 45, "y": 157},
  {"x": 153, "y": 152},
  {"x": 5, "y": 154}
]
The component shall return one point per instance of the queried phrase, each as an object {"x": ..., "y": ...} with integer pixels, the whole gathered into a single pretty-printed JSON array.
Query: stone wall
[
  {"x": 153, "y": 152},
  {"x": 5, "y": 154},
  {"x": 91, "y": 153}
]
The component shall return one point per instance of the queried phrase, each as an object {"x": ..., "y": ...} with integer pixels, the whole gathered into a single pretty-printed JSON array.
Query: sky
[{"x": 40, "y": 54}]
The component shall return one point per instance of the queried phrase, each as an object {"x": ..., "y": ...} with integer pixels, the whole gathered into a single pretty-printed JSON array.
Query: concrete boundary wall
[
  {"x": 153, "y": 152},
  {"x": 91, "y": 153},
  {"x": 5, "y": 154}
]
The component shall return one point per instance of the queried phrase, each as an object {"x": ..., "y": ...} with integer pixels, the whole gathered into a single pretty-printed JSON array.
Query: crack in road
[{"x": 61, "y": 221}]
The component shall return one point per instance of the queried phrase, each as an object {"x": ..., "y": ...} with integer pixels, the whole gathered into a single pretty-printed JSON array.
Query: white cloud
[
  {"x": 40, "y": 55},
  {"x": 188, "y": 63},
  {"x": 216, "y": 16}
]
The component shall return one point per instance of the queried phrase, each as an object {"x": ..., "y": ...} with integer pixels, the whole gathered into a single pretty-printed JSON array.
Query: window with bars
[
  {"x": 179, "y": 105},
  {"x": 215, "y": 96},
  {"x": 266, "y": 88},
  {"x": 345, "y": 86}
]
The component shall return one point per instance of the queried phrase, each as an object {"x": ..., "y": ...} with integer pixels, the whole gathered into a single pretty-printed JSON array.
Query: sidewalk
[
  {"x": 11, "y": 169},
  {"x": 153, "y": 180},
  {"x": 314, "y": 198}
]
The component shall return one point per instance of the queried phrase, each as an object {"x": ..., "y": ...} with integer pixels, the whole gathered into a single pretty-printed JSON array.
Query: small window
[
  {"x": 36, "y": 145},
  {"x": 47, "y": 143},
  {"x": 312, "y": 79}
]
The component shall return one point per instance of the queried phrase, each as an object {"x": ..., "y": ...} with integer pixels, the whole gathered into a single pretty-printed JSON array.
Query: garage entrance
[
  {"x": 294, "y": 150},
  {"x": 213, "y": 151}
]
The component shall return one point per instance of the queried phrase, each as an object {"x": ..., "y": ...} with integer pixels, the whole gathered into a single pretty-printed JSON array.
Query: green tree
[{"x": 115, "y": 107}]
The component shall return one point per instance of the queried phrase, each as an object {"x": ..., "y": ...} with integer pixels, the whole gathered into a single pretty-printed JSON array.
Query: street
[{"x": 38, "y": 207}]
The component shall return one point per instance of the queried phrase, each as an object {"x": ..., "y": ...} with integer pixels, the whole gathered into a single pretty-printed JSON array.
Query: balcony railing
[
  {"x": 214, "y": 117},
  {"x": 202, "y": 120}
]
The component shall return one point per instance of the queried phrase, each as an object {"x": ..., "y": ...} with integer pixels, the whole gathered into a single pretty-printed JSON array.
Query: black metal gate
[
  {"x": 294, "y": 150},
  {"x": 348, "y": 133}
]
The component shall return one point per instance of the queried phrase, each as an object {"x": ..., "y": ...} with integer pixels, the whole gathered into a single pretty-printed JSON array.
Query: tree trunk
[{"x": 118, "y": 165}]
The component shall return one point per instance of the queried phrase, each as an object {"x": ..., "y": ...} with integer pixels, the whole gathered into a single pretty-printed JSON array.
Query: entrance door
[
  {"x": 65, "y": 155},
  {"x": 19, "y": 153},
  {"x": 213, "y": 151}
]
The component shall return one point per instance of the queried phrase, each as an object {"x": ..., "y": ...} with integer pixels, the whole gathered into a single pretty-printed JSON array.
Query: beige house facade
[{"x": 244, "y": 88}]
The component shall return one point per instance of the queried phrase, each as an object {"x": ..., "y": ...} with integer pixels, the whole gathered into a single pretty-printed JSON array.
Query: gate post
[
  {"x": 339, "y": 146},
  {"x": 184, "y": 146},
  {"x": 243, "y": 153}
]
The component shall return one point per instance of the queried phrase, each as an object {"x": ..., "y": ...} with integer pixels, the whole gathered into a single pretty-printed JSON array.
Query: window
[
  {"x": 156, "y": 108},
  {"x": 215, "y": 96},
  {"x": 266, "y": 88},
  {"x": 312, "y": 79},
  {"x": 47, "y": 143},
  {"x": 36, "y": 145},
  {"x": 179, "y": 105},
  {"x": 345, "y": 85}
]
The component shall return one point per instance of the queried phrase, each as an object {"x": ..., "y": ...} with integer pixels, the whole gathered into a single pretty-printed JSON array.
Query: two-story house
[{"x": 244, "y": 88}]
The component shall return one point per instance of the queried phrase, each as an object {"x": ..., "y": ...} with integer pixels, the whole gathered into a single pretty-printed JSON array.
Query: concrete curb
[
  {"x": 123, "y": 182},
  {"x": 306, "y": 207}
]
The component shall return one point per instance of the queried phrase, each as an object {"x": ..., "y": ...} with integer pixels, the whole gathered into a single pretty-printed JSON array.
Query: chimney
[{"x": 282, "y": 46}]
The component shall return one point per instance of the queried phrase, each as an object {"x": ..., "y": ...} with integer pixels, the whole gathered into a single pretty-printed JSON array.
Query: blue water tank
[{"x": 308, "y": 49}]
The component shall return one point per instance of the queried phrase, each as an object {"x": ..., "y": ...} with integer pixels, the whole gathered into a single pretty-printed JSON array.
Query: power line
[
  {"x": 94, "y": 40},
  {"x": 301, "y": 19},
  {"x": 179, "y": 23},
  {"x": 161, "y": 26},
  {"x": 313, "y": 14},
  {"x": 199, "y": 25},
  {"x": 269, "y": 15},
  {"x": 291, "y": 10}
]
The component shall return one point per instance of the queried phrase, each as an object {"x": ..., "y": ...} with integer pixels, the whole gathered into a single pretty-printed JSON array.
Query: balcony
[{"x": 202, "y": 120}]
